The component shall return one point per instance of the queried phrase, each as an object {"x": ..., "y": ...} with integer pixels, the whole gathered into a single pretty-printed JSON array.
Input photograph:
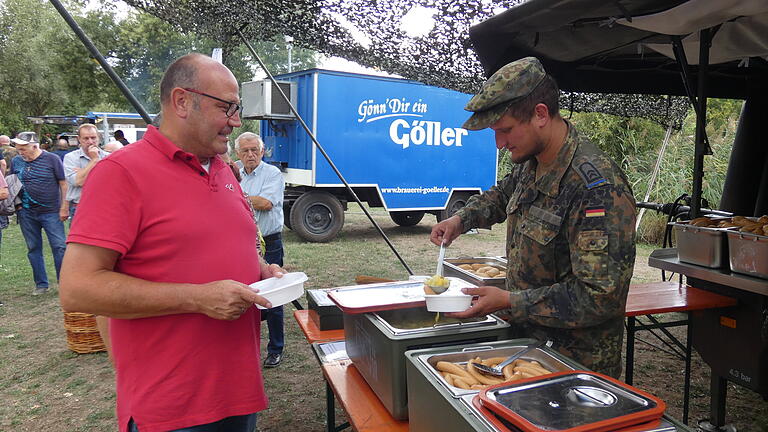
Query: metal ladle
[{"x": 440, "y": 258}]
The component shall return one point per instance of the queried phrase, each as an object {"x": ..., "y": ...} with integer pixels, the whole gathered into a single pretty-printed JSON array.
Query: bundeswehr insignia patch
[{"x": 590, "y": 175}]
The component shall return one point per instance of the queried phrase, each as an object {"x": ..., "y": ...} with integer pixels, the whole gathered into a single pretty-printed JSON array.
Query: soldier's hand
[
  {"x": 446, "y": 230},
  {"x": 487, "y": 300},
  {"x": 227, "y": 299}
]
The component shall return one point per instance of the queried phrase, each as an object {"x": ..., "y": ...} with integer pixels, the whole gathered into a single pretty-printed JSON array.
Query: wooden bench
[{"x": 665, "y": 297}]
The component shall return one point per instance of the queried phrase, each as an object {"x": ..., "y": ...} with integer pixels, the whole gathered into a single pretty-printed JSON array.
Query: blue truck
[{"x": 398, "y": 143}]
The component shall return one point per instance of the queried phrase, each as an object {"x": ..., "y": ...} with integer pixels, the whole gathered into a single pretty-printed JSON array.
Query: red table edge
[{"x": 705, "y": 299}]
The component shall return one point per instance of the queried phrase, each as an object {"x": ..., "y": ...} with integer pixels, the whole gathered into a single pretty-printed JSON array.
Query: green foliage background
[{"x": 45, "y": 69}]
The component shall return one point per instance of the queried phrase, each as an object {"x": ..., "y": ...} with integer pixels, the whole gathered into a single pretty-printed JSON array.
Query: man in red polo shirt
[{"x": 163, "y": 244}]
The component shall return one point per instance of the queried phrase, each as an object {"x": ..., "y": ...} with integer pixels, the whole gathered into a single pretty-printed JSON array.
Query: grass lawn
[{"x": 45, "y": 387}]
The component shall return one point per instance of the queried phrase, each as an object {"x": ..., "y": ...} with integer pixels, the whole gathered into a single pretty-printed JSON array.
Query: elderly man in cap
[
  {"x": 570, "y": 222},
  {"x": 43, "y": 206}
]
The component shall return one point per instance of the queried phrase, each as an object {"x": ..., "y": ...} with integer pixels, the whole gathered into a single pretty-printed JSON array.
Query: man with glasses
[
  {"x": 264, "y": 185},
  {"x": 152, "y": 247}
]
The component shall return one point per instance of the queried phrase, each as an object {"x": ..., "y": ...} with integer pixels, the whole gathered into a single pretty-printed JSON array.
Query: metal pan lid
[
  {"x": 575, "y": 401},
  {"x": 497, "y": 424}
]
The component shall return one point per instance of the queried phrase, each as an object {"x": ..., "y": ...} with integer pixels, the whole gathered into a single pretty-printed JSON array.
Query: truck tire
[
  {"x": 406, "y": 218},
  {"x": 317, "y": 216},
  {"x": 457, "y": 201},
  {"x": 287, "y": 216}
]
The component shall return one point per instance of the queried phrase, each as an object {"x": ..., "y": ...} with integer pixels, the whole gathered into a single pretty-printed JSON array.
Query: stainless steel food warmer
[
  {"x": 704, "y": 246},
  {"x": 377, "y": 342},
  {"x": 434, "y": 406},
  {"x": 451, "y": 268}
]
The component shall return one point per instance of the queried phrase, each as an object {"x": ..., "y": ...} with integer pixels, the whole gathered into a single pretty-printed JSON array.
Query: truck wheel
[
  {"x": 287, "y": 216},
  {"x": 317, "y": 216},
  {"x": 407, "y": 218},
  {"x": 457, "y": 201}
]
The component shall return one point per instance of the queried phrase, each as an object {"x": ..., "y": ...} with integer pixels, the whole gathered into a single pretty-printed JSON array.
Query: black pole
[
  {"x": 682, "y": 61},
  {"x": 322, "y": 150},
  {"x": 103, "y": 62},
  {"x": 701, "y": 146}
]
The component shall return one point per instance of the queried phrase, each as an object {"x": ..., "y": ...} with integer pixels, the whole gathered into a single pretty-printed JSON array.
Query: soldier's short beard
[{"x": 526, "y": 157}]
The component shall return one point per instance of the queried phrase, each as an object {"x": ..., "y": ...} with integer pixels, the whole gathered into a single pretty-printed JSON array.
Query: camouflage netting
[{"x": 442, "y": 58}]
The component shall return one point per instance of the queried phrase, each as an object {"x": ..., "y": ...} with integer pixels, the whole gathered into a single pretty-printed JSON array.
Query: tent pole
[
  {"x": 654, "y": 175},
  {"x": 701, "y": 147},
  {"x": 102, "y": 61}
]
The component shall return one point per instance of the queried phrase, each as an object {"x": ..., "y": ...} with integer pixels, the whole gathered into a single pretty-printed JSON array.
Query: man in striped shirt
[{"x": 43, "y": 206}]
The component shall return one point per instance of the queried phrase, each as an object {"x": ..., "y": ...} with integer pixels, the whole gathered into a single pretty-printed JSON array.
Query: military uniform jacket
[{"x": 570, "y": 250}]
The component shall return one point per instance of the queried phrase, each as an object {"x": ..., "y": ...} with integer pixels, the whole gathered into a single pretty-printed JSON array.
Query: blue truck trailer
[{"x": 398, "y": 143}]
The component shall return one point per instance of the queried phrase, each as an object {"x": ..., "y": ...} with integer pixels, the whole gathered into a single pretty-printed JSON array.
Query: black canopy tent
[
  {"x": 657, "y": 47},
  {"x": 594, "y": 46}
]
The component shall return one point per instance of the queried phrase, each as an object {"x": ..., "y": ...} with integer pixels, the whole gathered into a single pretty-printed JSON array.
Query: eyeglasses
[{"x": 232, "y": 107}]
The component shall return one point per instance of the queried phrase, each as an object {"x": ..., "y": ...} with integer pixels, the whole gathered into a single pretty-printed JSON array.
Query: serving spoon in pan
[{"x": 497, "y": 370}]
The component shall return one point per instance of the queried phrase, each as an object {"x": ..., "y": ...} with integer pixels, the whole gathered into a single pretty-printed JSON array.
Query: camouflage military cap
[{"x": 509, "y": 84}]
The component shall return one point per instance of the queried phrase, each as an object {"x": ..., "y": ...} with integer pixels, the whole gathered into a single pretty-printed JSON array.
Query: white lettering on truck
[{"x": 424, "y": 132}]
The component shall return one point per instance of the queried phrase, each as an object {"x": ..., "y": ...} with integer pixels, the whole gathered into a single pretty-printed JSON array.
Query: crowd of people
[
  {"x": 50, "y": 177},
  {"x": 166, "y": 241}
]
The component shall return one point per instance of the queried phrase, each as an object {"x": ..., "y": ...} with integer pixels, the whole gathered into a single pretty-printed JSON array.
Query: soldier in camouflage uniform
[{"x": 570, "y": 222}]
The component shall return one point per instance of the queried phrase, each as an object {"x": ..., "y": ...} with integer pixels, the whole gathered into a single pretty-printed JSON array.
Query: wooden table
[
  {"x": 344, "y": 383},
  {"x": 664, "y": 297},
  {"x": 366, "y": 412}
]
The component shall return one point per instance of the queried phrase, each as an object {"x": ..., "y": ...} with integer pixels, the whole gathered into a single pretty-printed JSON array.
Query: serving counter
[{"x": 366, "y": 412}]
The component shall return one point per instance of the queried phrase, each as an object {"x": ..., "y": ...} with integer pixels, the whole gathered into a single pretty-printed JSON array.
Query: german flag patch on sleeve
[{"x": 594, "y": 212}]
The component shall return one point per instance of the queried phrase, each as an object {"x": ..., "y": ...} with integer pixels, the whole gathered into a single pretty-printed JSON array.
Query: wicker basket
[{"x": 82, "y": 333}]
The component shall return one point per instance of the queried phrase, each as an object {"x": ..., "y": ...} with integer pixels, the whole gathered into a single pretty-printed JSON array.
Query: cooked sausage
[
  {"x": 460, "y": 383},
  {"x": 509, "y": 371},
  {"x": 479, "y": 376},
  {"x": 453, "y": 369}
]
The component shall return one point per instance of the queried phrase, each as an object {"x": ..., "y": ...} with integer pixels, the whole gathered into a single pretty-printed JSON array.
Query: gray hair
[
  {"x": 87, "y": 126},
  {"x": 249, "y": 136}
]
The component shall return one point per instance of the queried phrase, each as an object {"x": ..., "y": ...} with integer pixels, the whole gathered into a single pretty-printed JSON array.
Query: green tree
[
  {"x": 28, "y": 83},
  {"x": 44, "y": 68}
]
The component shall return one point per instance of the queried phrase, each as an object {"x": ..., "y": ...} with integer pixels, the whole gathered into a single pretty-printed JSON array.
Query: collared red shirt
[
  {"x": 171, "y": 221},
  {"x": 267, "y": 182},
  {"x": 73, "y": 162}
]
